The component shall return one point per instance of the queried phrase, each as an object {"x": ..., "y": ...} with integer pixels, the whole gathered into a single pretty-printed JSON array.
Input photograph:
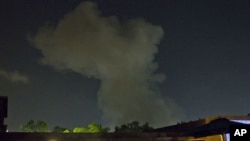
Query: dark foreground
[{"x": 89, "y": 137}]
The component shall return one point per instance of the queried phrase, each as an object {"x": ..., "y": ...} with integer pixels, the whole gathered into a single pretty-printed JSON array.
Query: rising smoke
[
  {"x": 14, "y": 76},
  {"x": 119, "y": 54}
]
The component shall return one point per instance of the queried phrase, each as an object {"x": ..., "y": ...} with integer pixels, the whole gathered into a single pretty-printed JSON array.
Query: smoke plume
[
  {"x": 119, "y": 54},
  {"x": 14, "y": 76}
]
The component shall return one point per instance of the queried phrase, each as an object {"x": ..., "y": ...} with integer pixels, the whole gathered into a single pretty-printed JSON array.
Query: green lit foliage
[
  {"x": 92, "y": 128},
  {"x": 133, "y": 127},
  {"x": 66, "y": 131},
  {"x": 96, "y": 128},
  {"x": 41, "y": 126},
  {"x": 32, "y": 126},
  {"x": 80, "y": 130}
]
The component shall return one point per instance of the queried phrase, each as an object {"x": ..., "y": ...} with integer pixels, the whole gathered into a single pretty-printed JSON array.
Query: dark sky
[{"x": 204, "y": 55}]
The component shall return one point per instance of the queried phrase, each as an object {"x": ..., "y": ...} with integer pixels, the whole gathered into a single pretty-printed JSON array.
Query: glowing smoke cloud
[{"x": 119, "y": 54}]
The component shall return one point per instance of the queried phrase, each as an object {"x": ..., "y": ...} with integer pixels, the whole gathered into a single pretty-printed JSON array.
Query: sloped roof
[{"x": 200, "y": 128}]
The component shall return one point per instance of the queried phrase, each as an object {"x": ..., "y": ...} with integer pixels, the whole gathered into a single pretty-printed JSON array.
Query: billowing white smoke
[{"x": 119, "y": 54}]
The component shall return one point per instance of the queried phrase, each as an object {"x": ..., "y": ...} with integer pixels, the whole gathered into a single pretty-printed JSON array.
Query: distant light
[{"x": 52, "y": 140}]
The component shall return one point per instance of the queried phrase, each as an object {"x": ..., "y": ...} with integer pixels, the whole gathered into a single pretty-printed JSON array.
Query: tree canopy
[
  {"x": 32, "y": 126},
  {"x": 133, "y": 127},
  {"x": 41, "y": 126},
  {"x": 92, "y": 128}
]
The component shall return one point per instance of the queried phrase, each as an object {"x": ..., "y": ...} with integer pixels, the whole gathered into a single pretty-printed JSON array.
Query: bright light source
[{"x": 52, "y": 140}]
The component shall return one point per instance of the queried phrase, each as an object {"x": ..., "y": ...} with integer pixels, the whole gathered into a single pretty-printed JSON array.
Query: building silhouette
[
  {"x": 216, "y": 128},
  {"x": 3, "y": 112}
]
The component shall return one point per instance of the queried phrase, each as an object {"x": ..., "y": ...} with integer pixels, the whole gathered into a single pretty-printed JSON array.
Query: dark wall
[
  {"x": 3, "y": 112},
  {"x": 3, "y": 106}
]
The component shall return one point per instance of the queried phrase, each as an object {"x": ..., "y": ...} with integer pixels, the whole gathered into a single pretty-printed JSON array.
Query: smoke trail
[{"x": 119, "y": 54}]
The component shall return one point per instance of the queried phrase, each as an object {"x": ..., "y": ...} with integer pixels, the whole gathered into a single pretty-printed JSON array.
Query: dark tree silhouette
[
  {"x": 59, "y": 129},
  {"x": 133, "y": 127}
]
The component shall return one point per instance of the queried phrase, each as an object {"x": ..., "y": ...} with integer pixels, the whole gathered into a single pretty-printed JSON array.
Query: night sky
[{"x": 71, "y": 62}]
